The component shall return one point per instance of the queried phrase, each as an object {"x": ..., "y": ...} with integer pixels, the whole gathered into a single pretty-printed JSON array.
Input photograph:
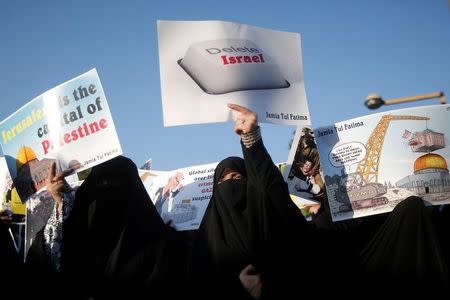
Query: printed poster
[
  {"x": 70, "y": 124},
  {"x": 302, "y": 206},
  {"x": 181, "y": 196},
  {"x": 374, "y": 162},
  {"x": 11, "y": 202},
  {"x": 10, "y": 199},
  {"x": 302, "y": 172},
  {"x": 206, "y": 64}
]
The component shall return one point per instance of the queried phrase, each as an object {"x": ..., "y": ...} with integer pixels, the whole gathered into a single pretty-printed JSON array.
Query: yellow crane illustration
[
  {"x": 368, "y": 168},
  {"x": 361, "y": 189}
]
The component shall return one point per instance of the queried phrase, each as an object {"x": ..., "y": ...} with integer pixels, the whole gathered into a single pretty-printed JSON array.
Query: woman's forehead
[
  {"x": 227, "y": 171},
  {"x": 230, "y": 164}
]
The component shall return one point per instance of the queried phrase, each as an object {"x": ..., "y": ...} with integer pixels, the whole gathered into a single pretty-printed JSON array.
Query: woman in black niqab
[
  {"x": 407, "y": 254},
  {"x": 115, "y": 241},
  {"x": 249, "y": 221},
  {"x": 221, "y": 250},
  {"x": 226, "y": 223}
]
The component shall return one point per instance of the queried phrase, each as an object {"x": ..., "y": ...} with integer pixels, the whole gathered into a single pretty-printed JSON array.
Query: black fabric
[
  {"x": 39, "y": 267},
  {"x": 441, "y": 220},
  {"x": 400, "y": 253},
  {"x": 248, "y": 222},
  {"x": 114, "y": 240},
  {"x": 406, "y": 255},
  {"x": 281, "y": 241},
  {"x": 221, "y": 249},
  {"x": 11, "y": 271},
  {"x": 338, "y": 246},
  {"x": 227, "y": 216}
]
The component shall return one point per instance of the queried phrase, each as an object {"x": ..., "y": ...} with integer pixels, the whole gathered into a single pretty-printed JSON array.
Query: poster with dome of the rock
[
  {"x": 70, "y": 124},
  {"x": 372, "y": 163}
]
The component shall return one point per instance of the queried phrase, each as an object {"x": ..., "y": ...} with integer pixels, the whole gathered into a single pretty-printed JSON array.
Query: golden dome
[
  {"x": 430, "y": 161},
  {"x": 25, "y": 154}
]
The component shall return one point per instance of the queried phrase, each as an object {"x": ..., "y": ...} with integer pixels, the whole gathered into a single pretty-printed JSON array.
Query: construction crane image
[{"x": 361, "y": 189}]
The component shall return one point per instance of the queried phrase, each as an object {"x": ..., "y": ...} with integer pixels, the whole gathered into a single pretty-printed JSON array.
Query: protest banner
[
  {"x": 70, "y": 124},
  {"x": 370, "y": 165},
  {"x": 206, "y": 64},
  {"x": 181, "y": 196},
  {"x": 302, "y": 172}
]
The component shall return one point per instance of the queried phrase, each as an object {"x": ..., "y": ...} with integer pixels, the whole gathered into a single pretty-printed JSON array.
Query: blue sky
[{"x": 349, "y": 49}]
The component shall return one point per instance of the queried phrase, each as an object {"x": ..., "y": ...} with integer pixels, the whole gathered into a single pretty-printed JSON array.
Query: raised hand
[
  {"x": 56, "y": 184},
  {"x": 246, "y": 120}
]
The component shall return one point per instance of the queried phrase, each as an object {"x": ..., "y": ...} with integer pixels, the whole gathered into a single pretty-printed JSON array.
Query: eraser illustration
[{"x": 229, "y": 65}]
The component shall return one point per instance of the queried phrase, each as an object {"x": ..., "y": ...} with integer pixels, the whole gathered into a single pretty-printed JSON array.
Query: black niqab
[
  {"x": 406, "y": 255},
  {"x": 226, "y": 222},
  {"x": 247, "y": 222},
  {"x": 114, "y": 240}
]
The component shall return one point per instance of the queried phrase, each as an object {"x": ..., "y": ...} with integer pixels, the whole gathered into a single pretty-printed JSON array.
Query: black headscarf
[
  {"x": 114, "y": 236},
  {"x": 406, "y": 255},
  {"x": 12, "y": 268},
  {"x": 222, "y": 246},
  {"x": 399, "y": 253},
  {"x": 251, "y": 221},
  {"x": 226, "y": 221}
]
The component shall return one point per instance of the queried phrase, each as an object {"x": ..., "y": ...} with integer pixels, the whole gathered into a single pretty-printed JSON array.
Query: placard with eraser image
[
  {"x": 206, "y": 64},
  {"x": 252, "y": 62}
]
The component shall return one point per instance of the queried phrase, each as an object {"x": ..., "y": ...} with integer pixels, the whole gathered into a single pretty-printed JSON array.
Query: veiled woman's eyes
[
  {"x": 232, "y": 175},
  {"x": 108, "y": 183}
]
